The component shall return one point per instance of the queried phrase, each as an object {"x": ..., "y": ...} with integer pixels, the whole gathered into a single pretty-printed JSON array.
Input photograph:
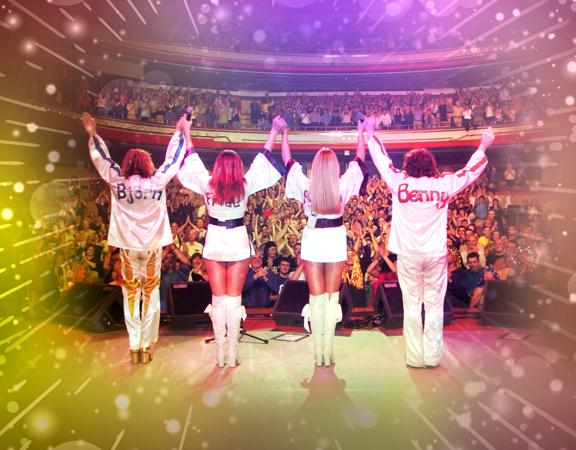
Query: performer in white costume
[
  {"x": 140, "y": 227},
  {"x": 420, "y": 197},
  {"x": 227, "y": 249},
  {"x": 324, "y": 249}
]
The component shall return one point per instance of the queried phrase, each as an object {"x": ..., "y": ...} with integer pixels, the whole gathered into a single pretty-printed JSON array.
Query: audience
[
  {"x": 466, "y": 108},
  {"x": 496, "y": 242}
]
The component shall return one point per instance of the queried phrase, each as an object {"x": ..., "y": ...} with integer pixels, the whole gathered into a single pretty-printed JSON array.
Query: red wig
[
  {"x": 137, "y": 162},
  {"x": 420, "y": 163},
  {"x": 228, "y": 182}
]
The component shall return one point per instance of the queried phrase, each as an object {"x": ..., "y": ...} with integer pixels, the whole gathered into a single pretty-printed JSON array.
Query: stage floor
[{"x": 64, "y": 388}]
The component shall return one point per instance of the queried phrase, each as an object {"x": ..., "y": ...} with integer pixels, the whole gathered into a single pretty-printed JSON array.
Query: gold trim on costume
[
  {"x": 149, "y": 283},
  {"x": 132, "y": 285}
]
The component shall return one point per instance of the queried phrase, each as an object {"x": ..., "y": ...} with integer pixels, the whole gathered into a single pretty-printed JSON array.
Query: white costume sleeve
[
  {"x": 460, "y": 180},
  {"x": 105, "y": 165},
  {"x": 193, "y": 174},
  {"x": 391, "y": 175},
  {"x": 297, "y": 183},
  {"x": 351, "y": 181},
  {"x": 263, "y": 172},
  {"x": 174, "y": 155}
]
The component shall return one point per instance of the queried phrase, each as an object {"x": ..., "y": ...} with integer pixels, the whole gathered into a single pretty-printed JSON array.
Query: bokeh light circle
[
  {"x": 12, "y": 407},
  {"x": 122, "y": 401},
  {"x": 19, "y": 187},
  {"x": 556, "y": 386},
  {"x": 7, "y": 214},
  {"x": 386, "y": 11},
  {"x": 173, "y": 426},
  {"x": 49, "y": 167},
  {"x": 259, "y": 36},
  {"x": 50, "y": 89},
  {"x": 54, "y": 156}
]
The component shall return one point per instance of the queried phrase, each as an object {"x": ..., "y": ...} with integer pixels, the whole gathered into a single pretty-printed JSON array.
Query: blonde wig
[{"x": 324, "y": 189}]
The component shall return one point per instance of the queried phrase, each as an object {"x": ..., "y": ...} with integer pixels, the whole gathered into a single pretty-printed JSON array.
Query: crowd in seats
[
  {"x": 466, "y": 108},
  {"x": 328, "y": 39},
  {"x": 491, "y": 235}
]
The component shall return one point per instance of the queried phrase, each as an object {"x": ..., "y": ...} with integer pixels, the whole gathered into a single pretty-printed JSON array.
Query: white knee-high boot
[
  {"x": 235, "y": 312},
  {"x": 313, "y": 312},
  {"x": 217, "y": 313},
  {"x": 332, "y": 315}
]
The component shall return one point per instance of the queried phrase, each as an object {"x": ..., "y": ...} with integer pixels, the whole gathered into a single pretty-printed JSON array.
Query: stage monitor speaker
[
  {"x": 288, "y": 308},
  {"x": 388, "y": 303},
  {"x": 294, "y": 295},
  {"x": 354, "y": 297},
  {"x": 509, "y": 303},
  {"x": 93, "y": 307},
  {"x": 187, "y": 302}
]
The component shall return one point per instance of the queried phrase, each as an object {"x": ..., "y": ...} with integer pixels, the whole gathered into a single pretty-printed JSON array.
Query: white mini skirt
[
  {"x": 324, "y": 244},
  {"x": 227, "y": 244}
]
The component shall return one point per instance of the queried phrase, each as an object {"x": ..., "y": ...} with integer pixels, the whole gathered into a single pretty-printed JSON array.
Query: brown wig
[
  {"x": 228, "y": 182},
  {"x": 137, "y": 162},
  {"x": 420, "y": 163}
]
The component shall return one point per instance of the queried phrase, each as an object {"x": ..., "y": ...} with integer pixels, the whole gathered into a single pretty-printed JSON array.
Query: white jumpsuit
[
  {"x": 324, "y": 244},
  {"x": 418, "y": 237},
  {"x": 140, "y": 227}
]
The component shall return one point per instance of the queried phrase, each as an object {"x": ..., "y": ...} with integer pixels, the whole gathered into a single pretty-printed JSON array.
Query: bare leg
[
  {"x": 216, "y": 271},
  {"x": 236, "y": 272},
  {"x": 315, "y": 277},
  {"x": 333, "y": 276}
]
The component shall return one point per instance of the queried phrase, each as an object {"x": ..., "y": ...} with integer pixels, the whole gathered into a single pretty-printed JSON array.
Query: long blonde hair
[{"x": 324, "y": 189}]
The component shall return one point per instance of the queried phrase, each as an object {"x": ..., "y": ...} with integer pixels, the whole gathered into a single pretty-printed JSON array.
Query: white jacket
[
  {"x": 420, "y": 205},
  {"x": 138, "y": 217}
]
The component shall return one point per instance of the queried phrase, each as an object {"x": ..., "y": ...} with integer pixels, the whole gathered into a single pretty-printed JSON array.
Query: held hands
[
  {"x": 89, "y": 124},
  {"x": 487, "y": 138},
  {"x": 370, "y": 126},
  {"x": 184, "y": 125},
  {"x": 279, "y": 125}
]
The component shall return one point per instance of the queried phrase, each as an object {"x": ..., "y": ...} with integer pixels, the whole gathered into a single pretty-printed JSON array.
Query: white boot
[
  {"x": 217, "y": 313},
  {"x": 235, "y": 312},
  {"x": 332, "y": 315},
  {"x": 313, "y": 312}
]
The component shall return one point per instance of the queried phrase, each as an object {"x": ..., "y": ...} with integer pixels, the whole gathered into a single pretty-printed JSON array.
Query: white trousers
[
  {"x": 423, "y": 279},
  {"x": 140, "y": 288}
]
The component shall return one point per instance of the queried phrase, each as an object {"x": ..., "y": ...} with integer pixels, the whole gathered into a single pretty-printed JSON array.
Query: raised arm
[
  {"x": 277, "y": 124},
  {"x": 379, "y": 155},
  {"x": 265, "y": 170},
  {"x": 460, "y": 180},
  {"x": 176, "y": 151},
  {"x": 286, "y": 153},
  {"x": 361, "y": 148},
  {"x": 105, "y": 165},
  {"x": 193, "y": 175}
]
